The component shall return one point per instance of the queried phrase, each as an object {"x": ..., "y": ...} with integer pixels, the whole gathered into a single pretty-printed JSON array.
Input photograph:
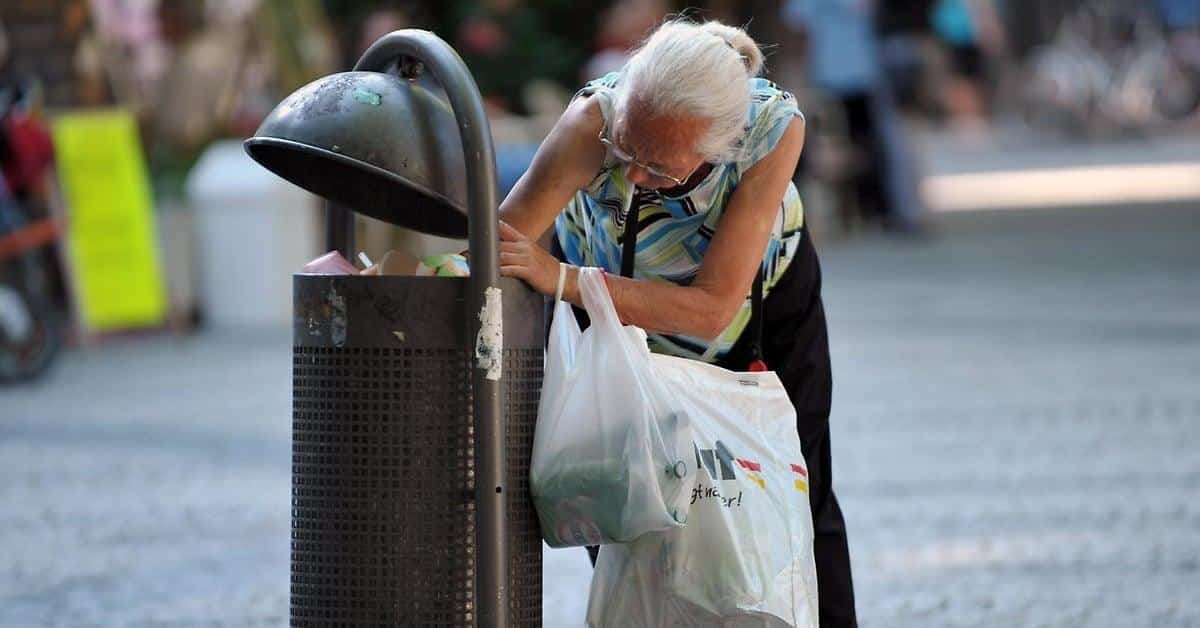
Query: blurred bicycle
[{"x": 1110, "y": 69}]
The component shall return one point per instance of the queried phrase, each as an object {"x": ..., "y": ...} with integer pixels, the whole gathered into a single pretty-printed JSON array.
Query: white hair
[{"x": 701, "y": 70}]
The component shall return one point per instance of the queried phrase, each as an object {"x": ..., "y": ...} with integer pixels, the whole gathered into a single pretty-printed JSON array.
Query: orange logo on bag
[
  {"x": 754, "y": 471},
  {"x": 802, "y": 481},
  {"x": 749, "y": 465},
  {"x": 721, "y": 464}
]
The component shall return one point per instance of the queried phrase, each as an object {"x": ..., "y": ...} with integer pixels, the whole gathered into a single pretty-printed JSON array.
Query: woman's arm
[
  {"x": 567, "y": 160},
  {"x": 705, "y": 308}
]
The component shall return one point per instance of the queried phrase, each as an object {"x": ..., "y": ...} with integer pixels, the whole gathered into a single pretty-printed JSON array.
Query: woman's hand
[{"x": 524, "y": 259}]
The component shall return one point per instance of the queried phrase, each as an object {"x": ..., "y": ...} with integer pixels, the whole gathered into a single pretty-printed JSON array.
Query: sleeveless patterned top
[{"x": 674, "y": 231}]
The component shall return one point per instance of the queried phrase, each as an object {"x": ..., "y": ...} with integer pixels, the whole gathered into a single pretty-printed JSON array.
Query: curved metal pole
[
  {"x": 491, "y": 548},
  {"x": 339, "y": 229}
]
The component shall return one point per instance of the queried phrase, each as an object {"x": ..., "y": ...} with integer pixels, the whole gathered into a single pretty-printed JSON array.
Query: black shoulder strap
[
  {"x": 629, "y": 249},
  {"x": 756, "y": 314},
  {"x": 629, "y": 241}
]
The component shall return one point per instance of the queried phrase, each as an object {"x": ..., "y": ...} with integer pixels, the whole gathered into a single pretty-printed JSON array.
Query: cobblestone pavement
[{"x": 1016, "y": 425}]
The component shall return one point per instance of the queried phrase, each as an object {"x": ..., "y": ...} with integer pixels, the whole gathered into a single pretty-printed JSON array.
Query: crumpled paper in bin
[
  {"x": 397, "y": 262},
  {"x": 446, "y": 265}
]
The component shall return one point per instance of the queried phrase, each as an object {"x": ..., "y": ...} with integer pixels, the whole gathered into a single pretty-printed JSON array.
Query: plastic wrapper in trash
[
  {"x": 745, "y": 557},
  {"x": 396, "y": 262},
  {"x": 611, "y": 450},
  {"x": 331, "y": 263},
  {"x": 446, "y": 265}
]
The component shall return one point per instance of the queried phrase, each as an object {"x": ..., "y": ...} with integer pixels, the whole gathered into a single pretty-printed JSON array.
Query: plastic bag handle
[{"x": 597, "y": 300}]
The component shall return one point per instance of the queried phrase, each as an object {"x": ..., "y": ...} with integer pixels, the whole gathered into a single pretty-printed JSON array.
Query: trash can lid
[{"x": 374, "y": 143}]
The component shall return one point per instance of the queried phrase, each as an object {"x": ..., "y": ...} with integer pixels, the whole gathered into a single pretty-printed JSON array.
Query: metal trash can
[
  {"x": 415, "y": 398},
  {"x": 383, "y": 449}
]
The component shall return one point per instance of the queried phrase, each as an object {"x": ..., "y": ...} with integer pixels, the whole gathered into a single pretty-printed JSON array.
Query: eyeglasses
[{"x": 625, "y": 157}]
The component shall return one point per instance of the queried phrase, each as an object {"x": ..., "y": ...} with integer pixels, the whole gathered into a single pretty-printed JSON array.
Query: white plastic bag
[
  {"x": 612, "y": 450},
  {"x": 745, "y": 556}
]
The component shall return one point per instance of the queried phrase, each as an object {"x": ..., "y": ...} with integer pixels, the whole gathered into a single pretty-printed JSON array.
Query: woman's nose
[{"x": 637, "y": 175}]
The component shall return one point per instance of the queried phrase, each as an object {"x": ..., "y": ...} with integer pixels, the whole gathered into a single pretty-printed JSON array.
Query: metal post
[
  {"x": 491, "y": 538},
  {"x": 339, "y": 230}
]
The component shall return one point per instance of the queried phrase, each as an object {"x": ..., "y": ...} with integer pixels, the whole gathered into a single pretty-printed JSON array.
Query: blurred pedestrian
[
  {"x": 904, "y": 32},
  {"x": 1179, "y": 15},
  {"x": 844, "y": 61},
  {"x": 970, "y": 30}
]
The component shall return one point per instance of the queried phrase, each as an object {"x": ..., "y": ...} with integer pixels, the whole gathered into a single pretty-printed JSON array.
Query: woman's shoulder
[
  {"x": 772, "y": 110},
  {"x": 573, "y": 145},
  {"x": 583, "y": 117},
  {"x": 766, "y": 95}
]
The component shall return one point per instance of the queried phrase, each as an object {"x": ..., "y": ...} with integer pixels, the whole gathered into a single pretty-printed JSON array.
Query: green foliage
[{"x": 545, "y": 39}]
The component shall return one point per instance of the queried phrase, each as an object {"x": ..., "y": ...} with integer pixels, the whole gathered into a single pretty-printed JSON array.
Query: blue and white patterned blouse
[{"x": 674, "y": 231}]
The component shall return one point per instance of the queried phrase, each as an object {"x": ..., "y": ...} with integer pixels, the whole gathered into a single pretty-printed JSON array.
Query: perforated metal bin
[
  {"x": 383, "y": 529},
  {"x": 410, "y": 460}
]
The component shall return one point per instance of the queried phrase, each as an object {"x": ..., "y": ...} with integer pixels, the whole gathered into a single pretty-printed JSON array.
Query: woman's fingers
[
  {"x": 514, "y": 252},
  {"x": 520, "y": 272},
  {"x": 514, "y": 257},
  {"x": 519, "y": 257},
  {"x": 509, "y": 233}
]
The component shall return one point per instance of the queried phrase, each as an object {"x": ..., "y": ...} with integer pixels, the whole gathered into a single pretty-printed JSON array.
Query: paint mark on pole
[{"x": 489, "y": 344}]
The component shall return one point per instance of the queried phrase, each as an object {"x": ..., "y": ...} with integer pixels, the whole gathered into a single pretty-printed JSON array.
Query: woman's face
[{"x": 662, "y": 147}]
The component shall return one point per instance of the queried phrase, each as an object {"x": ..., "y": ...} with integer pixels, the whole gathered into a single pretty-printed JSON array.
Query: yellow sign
[{"x": 112, "y": 242}]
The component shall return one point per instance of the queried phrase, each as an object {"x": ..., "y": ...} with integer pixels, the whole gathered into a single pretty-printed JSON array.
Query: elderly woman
[{"x": 675, "y": 173}]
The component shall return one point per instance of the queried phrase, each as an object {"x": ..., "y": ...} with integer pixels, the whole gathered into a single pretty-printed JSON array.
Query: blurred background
[{"x": 1005, "y": 195}]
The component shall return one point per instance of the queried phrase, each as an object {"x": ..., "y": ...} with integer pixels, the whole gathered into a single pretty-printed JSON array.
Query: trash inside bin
[
  {"x": 331, "y": 263},
  {"x": 396, "y": 262}
]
